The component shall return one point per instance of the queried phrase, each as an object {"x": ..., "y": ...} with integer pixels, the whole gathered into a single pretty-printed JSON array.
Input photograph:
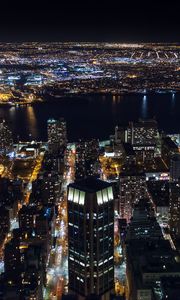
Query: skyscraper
[
  {"x": 132, "y": 188},
  {"x": 57, "y": 136},
  {"x": 174, "y": 207},
  {"x": 87, "y": 161},
  {"x": 91, "y": 237},
  {"x": 6, "y": 142},
  {"x": 144, "y": 132},
  {"x": 175, "y": 167}
]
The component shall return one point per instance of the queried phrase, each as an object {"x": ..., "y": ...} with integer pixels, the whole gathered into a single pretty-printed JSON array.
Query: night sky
[{"x": 90, "y": 22}]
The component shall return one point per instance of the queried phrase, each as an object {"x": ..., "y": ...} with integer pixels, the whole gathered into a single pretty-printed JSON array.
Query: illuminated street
[
  {"x": 120, "y": 263},
  {"x": 57, "y": 269}
]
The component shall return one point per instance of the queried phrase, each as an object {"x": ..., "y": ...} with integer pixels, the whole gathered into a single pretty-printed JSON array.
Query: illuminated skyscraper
[
  {"x": 6, "y": 142},
  {"x": 91, "y": 237},
  {"x": 144, "y": 132},
  {"x": 57, "y": 135},
  {"x": 144, "y": 137},
  {"x": 87, "y": 162},
  {"x": 132, "y": 189}
]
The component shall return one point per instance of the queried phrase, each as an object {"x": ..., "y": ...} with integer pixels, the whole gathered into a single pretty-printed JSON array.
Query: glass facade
[{"x": 91, "y": 241}]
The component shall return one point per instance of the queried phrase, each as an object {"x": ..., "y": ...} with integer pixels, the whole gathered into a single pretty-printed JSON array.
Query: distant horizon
[{"x": 93, "y": 42}]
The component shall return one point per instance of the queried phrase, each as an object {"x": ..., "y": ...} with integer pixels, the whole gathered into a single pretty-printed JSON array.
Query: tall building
[
  {"x": 174, "y": 207},
  {"x": 175, "y": 167},
  {"x": 46, "y": 188},
  {"x": 57, "y": 135},
  {"x": 149, "y": 257},
  {"x": 24, "y": 271},
  {"x": 144, "y": 137},
  {"x": 132, "y": 188},
  {"x": 144, "y": 132},
  {"x": 6, "y": 141},
  {"x": 169, "y": 148},
  {"x": 87, "y": 154},
  {"x": 119, "y": 136},
  {"x": 91, "y": 237}
]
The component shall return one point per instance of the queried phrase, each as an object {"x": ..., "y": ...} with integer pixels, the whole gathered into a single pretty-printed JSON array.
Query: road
[
  {"x": 57, "y": 270},
  {"x": 120, "y": 263},
  {"x": 35, "y": 172}
]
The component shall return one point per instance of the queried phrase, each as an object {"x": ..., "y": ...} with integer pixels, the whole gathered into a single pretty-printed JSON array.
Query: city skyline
[{"x": 89, "y": 151}]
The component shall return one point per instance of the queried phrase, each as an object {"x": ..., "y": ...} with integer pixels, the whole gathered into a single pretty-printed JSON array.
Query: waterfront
[{"x": 95, "y": 115}]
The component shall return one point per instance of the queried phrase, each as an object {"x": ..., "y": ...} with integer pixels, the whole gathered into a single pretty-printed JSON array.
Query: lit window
[
  {"x": 99, "y": 198},
  {"x": 81, "y": 198},
  {"x": 76, "y": 196},
  {"x": 110, "y": 193},
  {"x": 105, "y": 196},
  {"x": 70, "y": 194}
]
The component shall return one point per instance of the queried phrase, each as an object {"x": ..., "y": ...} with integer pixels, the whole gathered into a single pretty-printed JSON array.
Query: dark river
[{"x": 94, "y": 116}]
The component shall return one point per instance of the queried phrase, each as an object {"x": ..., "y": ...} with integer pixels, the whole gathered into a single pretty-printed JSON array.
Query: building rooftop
[
  {"x": 176, "y": 157},
  {"x": 90, "y": 185},
  {"x": 133, "y": 172},
  {"x": 170, "y": 143},
  {"x": 171, "y": 287},
  {"x": 159, "y": 191},
  {"x": 128, "y": 148}
]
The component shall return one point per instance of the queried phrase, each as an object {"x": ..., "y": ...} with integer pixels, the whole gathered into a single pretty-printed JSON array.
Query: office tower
[
  {"x": 87, "y": 163},
  {"x": 80, "y": 171},
  {"x": 46, "y": 188},
  {"x": 119, "y": 136},
  {"x": 174, "y": 207},
  {"x": 143, "y": 224},
  {"x": 144, "y": 137},
  {"x": 158, "y": 192},
  {"x": 12, "y": 259},
  {"x": 54, "y": 163},
  {"x": 57, "y": 135},
  {"x": 10, "y": 195},
  {"x": 27, "y": 217},
  {"x": 144, "y": 132},
  {"x": 175, "y": 167},
  {"x": 91, "y": 237},
  {"x": 41, "y": 220},
  {"x": 24, "y": 271},
  {"x": 149, "y": 257},
  {"x": 132, "y": 188},
  {"x": 6, "y": 141},
  {"x": 4, "y": 222},
  {"x": 169, "y": 148}
]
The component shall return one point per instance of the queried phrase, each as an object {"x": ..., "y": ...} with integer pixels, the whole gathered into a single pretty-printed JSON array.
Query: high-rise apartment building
[
  {"x": 57, "y": 135},
  {"x": 6, "y": 141},
  {"x": 132, "y": 188},
  {"x": 87, "y": 163}
]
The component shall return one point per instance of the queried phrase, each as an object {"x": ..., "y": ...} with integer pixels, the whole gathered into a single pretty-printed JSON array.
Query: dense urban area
[
  {"x": 92, "y": 219},
  {"x": 31, "y": 72}
]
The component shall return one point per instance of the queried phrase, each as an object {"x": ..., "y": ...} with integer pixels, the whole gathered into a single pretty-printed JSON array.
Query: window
[
  {"x": 70, "y": 194},
  {"x": 99, "y": 198},
  {"x": 110, "y": 193},
  {"x": 82, "y": 198}
]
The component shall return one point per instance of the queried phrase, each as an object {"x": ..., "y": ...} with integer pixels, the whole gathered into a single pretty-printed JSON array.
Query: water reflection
[
  {"x": 173, "y": 102},
  {"x": 31, "y": 122},
  {"x": 105, "y": 111},
  {"x": 114, "y": 107},
  {"x": 144, "y": 107}
]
